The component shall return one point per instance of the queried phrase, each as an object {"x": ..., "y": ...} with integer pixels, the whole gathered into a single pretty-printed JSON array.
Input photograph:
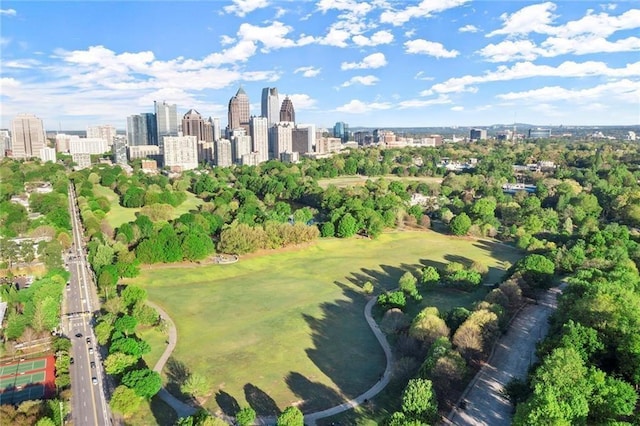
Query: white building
[
  {"x": 106, "y": 132},
  {"x": 240, "y": 145},
  {"x": 82, "y": 160},
  {"x": 180, "y": 152},
  {"x": 260, "y": 137},
  {"x": 27, "y": 136},
  {"x": 48, "y": 154},
  {"x": 87, "y": 145},
  {"x": 251, "y": 159},
  {"x": 281, "y": 133},
  {"x": 223, "y": 153},
  {"x": 205, "y": 152},
  {"x": 143, "y": 151}
]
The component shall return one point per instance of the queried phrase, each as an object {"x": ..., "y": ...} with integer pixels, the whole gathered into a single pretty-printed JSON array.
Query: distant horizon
[{"x": 369, "y": 63}]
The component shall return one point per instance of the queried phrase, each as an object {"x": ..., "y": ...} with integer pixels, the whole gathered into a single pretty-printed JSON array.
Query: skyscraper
[
  {"x": 180, "y": 152},
  {"x": 166, "y": 120},
  {"x": 223, "y": 153},
  {"x": 287, "y": 112},
  {"x": 28, "y": 137},
  {"x": 106, "y": 132},
  {"x": 341, "y": 130},
  {"x": 260, "y": 137},
  {"x": 282, "y": 137},
  {"x": 152, "y": 128},
  {"x": 194, "y": 125},
  {"x": 137, "y": 130},
  {"x": 215, "y": 123},
  {"x": 270, "y": 105},
  {"x": 119, "y": 150},
  {"x": 239, "y": 111}
]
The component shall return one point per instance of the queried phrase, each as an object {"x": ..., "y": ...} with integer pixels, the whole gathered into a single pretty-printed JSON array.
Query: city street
[{"x": 89, "y": 405}]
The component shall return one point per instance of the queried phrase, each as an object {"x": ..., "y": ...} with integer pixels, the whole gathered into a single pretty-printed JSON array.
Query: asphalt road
[
  {"x": 88, "y": 401},
  {"x": 484, "y": 403}
]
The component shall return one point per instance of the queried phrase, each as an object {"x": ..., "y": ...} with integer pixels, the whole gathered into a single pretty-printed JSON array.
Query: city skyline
[{"x": 369, "y": 64}]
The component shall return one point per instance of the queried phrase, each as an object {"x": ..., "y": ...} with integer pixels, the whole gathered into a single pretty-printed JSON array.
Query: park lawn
[
  {"x": 156, "y": 339},
  {"x": 119, "y": 215},
  {"x": 288, "y": 326},
  {"x": 154, "y": 412},
  {"x": 359, "y": 180}
]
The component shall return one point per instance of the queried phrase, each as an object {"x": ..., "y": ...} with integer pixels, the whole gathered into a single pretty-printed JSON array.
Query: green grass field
[
  {"x": 119, "y": 215},
  {"x": 288, "y": 327},
  {"x": 156, "y": 339},
  {"x": 359, "y": 180}
]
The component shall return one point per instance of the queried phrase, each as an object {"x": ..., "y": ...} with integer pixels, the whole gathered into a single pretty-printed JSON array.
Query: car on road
[
  {"x": 78, "y": 334},
  {"x": 94, "y": 380},
  {"x": 93, "y": 364},
  {"x": 71, "y": 361},
  {"x": 90, "y": 350},
  {"x": 88, "y": 339}
]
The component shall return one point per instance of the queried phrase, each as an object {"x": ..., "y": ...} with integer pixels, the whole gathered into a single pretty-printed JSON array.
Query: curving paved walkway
[
  {"x": 181, "y": 409},
  {"x": 184, "y": 410},
  {"x": 511, "y": 358}
]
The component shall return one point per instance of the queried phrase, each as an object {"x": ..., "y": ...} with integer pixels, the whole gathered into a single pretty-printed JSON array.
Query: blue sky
[{"x": 376, "y": 63}]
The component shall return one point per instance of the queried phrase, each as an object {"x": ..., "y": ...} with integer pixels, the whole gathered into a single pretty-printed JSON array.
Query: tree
[
  {"x": 460, "y": 224},
  {"x": 427, "y": 326},
  {"x": 390, "y": 300},
  {"x": 291, "y": 416},
  {"x": 430, "y": 276},
  {"x": 245, "y": 416},
  {"x": 196, "y": 246},
  {"x": 327, "y": 230},
  {"x": 45, "y": 421},
  {"x": 132, "y": 295},
  {"x": 145, "y": 314},
  {"x": 130, "y": 346},
  {"x": 126, "y": 324},
  {"x": 146, "y": 383},
  {"x": 419, "y": 400},
  {"x": 367, "y": 287},
  {"x": 103, "y": 332},
  {"x": 196, "y": 386},
  {"x": 118, "y": 362},
  {"x": 347, "y": 226},
  {"x": 125, "y": 401},
  {"x": 536, "y": 269},
  {"x": 407, "y": 283}
]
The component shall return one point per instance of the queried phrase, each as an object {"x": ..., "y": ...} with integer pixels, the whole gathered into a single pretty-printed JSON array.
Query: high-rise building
[
  {"x": 239, "y": 111},
  {"x": 539, "y": 133},
  {"x": 282, "y": 137},
  {"x": 478, "y": 134},
  {"x": 93, "y": 146},
  {"x": 48, "y": 154},
  {"x": 215, "y": 124},
  {"x": 240, "y": 145},
  {"x": 82, "y": 160},
  {"x": 223, "y": 153},
  {"x": 260, "y": 138},
  {"x": 194, "y": 125},
  {"x": 311, "y": 133},
  {"x": 205, "y": 152},
  {"x": 28, "y": 137},
  {"x": 180, "y": 152},
  {"x": 152, "y": 128},
  {"x": 166, "y": 120},
  {"x": 270, "y": 105},
  {"x": 287, "y": 113},
  {"x": 144, "y": 151},
  {"x": 341, "y": 130},
  {"x": 137, "y": 131},
  {"x": 106, "y": 132},
  {"x": 300, "y": 140},
  {"x": 119, "y": 149}
]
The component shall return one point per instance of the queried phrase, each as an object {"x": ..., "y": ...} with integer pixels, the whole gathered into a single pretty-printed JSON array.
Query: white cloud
[
  {"x": 280, "y": 12},
  {"x": 509, "y": 50},
  {"x": 335, "y": 37},
  {"x": 627, "y": 91},
  {"x": 354, "y": 7},
  {"x": 431, "y": 48},
  {"x": 4, "y": 41},
  {"x": 365, "y": 80},
  {"x": 380, "y": 37},
  {"x": 375, "y": 60},
  {"x": 410, "y": 33},
  {"x": 421, "y": 76},
  {"x": 272, "y": 36},
  {"x": 424, "y": 9},
  {"x": 600, "y": 24},
  {"x": 468, "y": 29},
  {"x": 421, "y": 103},
  {"x": 457, "y": 108},
  {"x": 534, "y": 18},
  {"x": 226, "y": 40},
  {"x": 356, "y": 106},
  {"x": 307, "y": 71},
  {"x": 523, "y": 70},
  {"x": 8, "y": 12},
  {"x": 22, "y": 63},
  {"x": 302, "y": 101},
  {"x": 242, "y": 7}
]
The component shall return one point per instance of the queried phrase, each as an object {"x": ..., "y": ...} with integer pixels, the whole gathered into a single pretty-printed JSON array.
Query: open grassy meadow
[
  {"x": 119, "y": 215},
  {"x": 359, "y": 180},
  {"x": 288, "y": 327}
]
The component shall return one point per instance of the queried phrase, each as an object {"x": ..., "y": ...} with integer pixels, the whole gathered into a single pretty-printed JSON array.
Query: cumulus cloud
[
  {"x": 375, "y": 60},
  {"x": 307, "y": 71},
  {"x": 226, "y": 40},
  {"x": 272, "y": 36},
  {"x": 425, "y": 9},
  {"x": 242, "y": 7},
  {"x": 356, "y": 106},
  {"x": 523, "y": 70},
  {"x": 623, "y": 90},
  {"x": 468, "y": 29},
  {"x": 365, "y": 80},
  {"x": 431, "y": 48},
  {"x": 8, "y": 12},
  {"x": 534, "y": 18},
  {"x": 302, "y": 101},
  {"x": 380, "y": 37}
]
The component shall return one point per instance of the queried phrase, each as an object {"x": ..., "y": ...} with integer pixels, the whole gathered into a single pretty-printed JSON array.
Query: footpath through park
[
  {"x": 483, "y": 402},
  {"x": 184, "y": 410}
]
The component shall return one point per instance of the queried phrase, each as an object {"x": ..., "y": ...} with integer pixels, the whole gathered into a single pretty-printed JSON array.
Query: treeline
[{"x": 589, "y": 371}]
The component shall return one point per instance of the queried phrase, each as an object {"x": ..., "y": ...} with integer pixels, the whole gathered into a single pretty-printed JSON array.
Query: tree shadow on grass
[
  {"x": 228, "y": 404},
  {"x": 177, "y": 373},
  {"x": 314, "y": 396},
  {"x": 258, "y": 399},
  {"x": 163, "y": 413}
]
